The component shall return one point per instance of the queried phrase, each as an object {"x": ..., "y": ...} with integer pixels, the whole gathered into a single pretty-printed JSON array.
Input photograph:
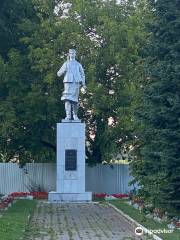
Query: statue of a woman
[{"x": 74, "y": 78}]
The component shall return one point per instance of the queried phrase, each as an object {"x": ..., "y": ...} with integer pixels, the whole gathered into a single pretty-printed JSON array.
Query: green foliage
[
  {"x": 29, "y": 106},
  {"x": 112, "y": 66},
  {"x": 158, "y": 171},
  {"x": 108, "y": 37}
]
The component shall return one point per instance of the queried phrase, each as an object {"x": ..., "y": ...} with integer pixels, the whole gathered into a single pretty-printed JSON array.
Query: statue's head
[{"x": 72, "y": 53}]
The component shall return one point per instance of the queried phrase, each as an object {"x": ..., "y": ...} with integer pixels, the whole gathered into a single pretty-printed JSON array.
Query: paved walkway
[{"x": 86, "y": 221}]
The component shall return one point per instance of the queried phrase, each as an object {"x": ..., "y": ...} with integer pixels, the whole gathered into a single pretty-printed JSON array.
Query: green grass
[
  {"x": 96, "y": 199},
  {"x": 14, "y": 221},
  {"x": 148, "y": 223}
]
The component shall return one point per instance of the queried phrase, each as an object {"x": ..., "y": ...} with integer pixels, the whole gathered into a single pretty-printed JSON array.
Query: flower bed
[
  {"x": 157, "y": 214},
  {"x": 177, "y": 224},
  {"x": 6, "y": 201},
  {"x": 36, "y": 195},
  {"x": 113, "y": 196},
  {"x": 120, "y": 195}
]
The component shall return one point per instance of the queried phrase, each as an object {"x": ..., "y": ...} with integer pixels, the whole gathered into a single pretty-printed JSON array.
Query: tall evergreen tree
[{"x": 158, "y": 170}]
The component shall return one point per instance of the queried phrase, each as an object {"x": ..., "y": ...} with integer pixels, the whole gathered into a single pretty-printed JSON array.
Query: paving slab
[{"x": 78, "y": 221}]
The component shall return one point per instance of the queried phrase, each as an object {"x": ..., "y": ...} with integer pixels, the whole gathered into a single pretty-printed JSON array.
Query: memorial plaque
[{"x": 71, "y": 160}]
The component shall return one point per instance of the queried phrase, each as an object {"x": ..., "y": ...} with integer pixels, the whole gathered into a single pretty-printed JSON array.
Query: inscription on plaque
[{"x": 71, "y": 160}]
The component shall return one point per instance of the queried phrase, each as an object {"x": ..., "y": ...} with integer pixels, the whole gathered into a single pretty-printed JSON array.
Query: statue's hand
[{"x": 83, "y": 89}]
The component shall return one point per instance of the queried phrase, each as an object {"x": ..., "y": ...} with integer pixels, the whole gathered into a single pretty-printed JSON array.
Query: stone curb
[
  {"x": 134, "y": 222},
  {"x": 78, "y": 202}
]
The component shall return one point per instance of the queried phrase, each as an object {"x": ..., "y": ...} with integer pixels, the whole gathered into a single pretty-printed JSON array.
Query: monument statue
[
  {"x": 74, "y": 79},
  {"x": 71, "y": 138}
]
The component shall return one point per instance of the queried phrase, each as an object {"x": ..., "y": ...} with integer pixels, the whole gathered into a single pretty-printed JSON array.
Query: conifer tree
[{"x": 158, "y": 170}]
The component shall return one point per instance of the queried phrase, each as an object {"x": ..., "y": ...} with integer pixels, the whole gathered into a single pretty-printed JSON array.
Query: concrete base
[
  {"x": 69, "y": 197},
  {"x": 70, "y": 121},
  {"x": 70, "y": 182}
]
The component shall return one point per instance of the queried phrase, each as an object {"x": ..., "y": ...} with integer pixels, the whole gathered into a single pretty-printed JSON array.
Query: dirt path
[{"x": 86, "y": 221}]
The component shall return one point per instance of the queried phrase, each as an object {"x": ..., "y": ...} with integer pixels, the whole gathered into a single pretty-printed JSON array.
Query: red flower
[
  {"x": 40, "y": 195},
  {"x": 177, "y": 224},
  {"x": 100, "y": 195},
  {"x": 120, "y": 195}
]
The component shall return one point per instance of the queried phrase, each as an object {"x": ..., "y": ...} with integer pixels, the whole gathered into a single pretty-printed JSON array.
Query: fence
[{"x": 99, "y": 179}]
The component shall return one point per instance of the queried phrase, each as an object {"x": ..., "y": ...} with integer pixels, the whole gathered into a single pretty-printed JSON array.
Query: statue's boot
[
  {"x": 75, "y": 111},
  {"x": 68, "y": 110}
]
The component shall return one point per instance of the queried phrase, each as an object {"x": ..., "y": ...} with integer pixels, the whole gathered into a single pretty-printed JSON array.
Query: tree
[
  {"x": 112, "y": 67},
  {"x": 108, "y": 37},
  {"x": 158, "y": 169},
  {"x": 27, "y": 106},
  {"x": 12, "y": 12}
]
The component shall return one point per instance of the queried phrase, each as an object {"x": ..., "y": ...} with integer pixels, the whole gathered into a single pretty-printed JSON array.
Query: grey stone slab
[
  {"x": 70, "y": 136},
  {"x": 70, "y": 121},
  {"x": 73, "y": 221}
]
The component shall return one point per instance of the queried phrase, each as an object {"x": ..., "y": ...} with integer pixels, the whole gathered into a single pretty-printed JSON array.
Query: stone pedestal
[{"x": 70, "y": 182}]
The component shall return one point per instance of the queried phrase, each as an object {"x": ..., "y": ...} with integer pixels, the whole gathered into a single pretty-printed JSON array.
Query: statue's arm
[
  {"x": 62, "y": 70},
  {"x": 81, "y": 70}
]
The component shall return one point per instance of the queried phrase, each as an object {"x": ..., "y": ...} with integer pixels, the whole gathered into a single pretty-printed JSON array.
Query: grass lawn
[
  {"x": 148, "y": 223},
  {"x": 14, "y": 221}
]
